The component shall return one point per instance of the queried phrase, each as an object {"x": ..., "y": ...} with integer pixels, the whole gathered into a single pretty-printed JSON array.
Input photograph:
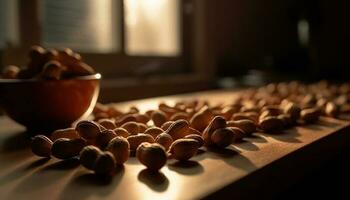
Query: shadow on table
[
  {"x": 36, "y": 163},
  {"x": 41, "y": 178},
  {"x": 248, "y": 145},
  {"x": 256, "y": 138},
  {"x": 232, "y": 157},
  {"x": 93, "y": 185},
  {"x": 22, "y": 170},
  {"x": 322, "y": 123},
  {"x": 228, "y": 152},
  {"x": 188, "y": 167},
  {"x": 15, "y": 142},
  {"x": 345, "y": 117},
  {"x": 63, "y": 164},
  {"x": 155, "y": 180},
  {"x": 289, "y": 135},
  {"x": 328, "y": 123},
  {"x": 91, "y": 179}
]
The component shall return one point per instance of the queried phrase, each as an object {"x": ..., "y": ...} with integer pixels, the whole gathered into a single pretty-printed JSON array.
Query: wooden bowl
[{"x": 49, "y": 104}]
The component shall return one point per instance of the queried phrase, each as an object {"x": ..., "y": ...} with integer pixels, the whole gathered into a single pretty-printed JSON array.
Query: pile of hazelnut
[
  {"x": 49, "y": 64},
  {"x": 178, "y": 131}
]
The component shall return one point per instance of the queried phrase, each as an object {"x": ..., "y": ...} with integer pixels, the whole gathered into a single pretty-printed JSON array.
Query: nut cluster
[
  {"x": 49, "y": 64},
  {"x": 178, "y": 131}
]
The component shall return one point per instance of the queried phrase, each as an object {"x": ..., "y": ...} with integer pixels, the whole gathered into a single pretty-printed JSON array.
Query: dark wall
[
  {"x": 251, "y": 34},
  {"x": 331, "y": 38}
]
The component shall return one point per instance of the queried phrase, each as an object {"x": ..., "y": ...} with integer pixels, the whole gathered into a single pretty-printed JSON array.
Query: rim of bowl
[{"x": 96, "y": 76}]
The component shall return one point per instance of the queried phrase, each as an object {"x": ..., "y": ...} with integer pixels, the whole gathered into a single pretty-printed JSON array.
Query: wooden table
[{"x": 260, "y": 167}]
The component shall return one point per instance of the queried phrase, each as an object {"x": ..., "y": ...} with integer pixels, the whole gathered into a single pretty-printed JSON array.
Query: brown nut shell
[
  {"x": 107, "y": 123},
  {"x": 293, "y": 110},
  {"x": 271, "y": 124},
  {"x": 104, "y": 137},
  {"x": 201, "y": 119},
  {"x": 88, "y": 156},
  {"x": 331, "y": 109},
  {"x": 105, "y": 164},
  {"x": 159, "y": 118},
  {"x": 119, "y": 147},
  {"x": 196, "y": 137},
  {"x": 223, "y": 137},
  {"x": 125, "y": 119},
  {"x": 310, "y": 115},
  {"x": 41, "y": 146},
  {"x": 184, "y": 149},
  {"x": 228, "y": 111},
  {"x": 136, "y": 140},
  {"x": 193, "y": 131},
  {"x": 239, "y": 134},
  {"x": 216, "y": 123},
  {"x": 178, "y": 129},
  {"x": 88, "y": 129},
  {"x": 179, "y": 115},
  {"x": 142, "y": 118},
  {"x": 164, "y": 139},
  {"x": 246, "y": 125},
  {"x": 121, "y": 132},
  {"x": 69, "y": 133},
  {"x": 153, "y": 156},
  {"x": 131, "y": 127},
  {"x": 142, "y": 127},
  {"x": 239, "y": 116},
  {"x": 10, "y": 72},
  {"x": 65, "y": 148},
  {"x": 154, "y": 131},
  {"x": 166, "y": 125},
  {"x": 52, "y": 70}
]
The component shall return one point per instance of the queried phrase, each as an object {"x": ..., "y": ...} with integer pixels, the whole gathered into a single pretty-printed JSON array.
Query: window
[
  {"x": 120, "y": 38},
  {"x": 8, "y": 23},
  {"x": 133, "y": 43},
  {"x": 84, "y": 25},
  {"x": 152, "y": 27}
]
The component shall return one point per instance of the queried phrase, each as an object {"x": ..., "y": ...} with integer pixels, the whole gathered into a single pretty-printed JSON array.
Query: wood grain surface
[{"x": 261, "y": 166}]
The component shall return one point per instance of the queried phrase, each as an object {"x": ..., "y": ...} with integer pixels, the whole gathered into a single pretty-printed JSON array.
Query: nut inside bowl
[{"x": 49, "y": 104}]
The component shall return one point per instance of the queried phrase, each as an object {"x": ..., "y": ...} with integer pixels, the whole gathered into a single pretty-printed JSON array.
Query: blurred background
[{"x": 160, "y": 47}]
